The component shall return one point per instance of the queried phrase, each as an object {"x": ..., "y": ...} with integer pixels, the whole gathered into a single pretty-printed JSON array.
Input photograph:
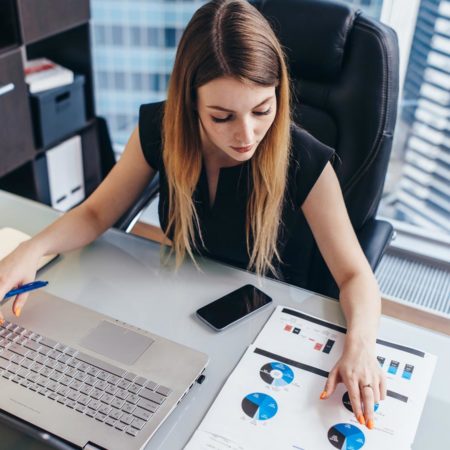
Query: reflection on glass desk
[{"x": 122, "y": 276}]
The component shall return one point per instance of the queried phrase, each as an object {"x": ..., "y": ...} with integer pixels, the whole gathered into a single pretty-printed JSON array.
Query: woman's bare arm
[
  {"x": 325, "y": 211},
  {"x": 83, "y": 224},
  {"x": 103, "y": 208}
]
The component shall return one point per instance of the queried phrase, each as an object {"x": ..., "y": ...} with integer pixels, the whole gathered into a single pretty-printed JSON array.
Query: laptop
[{"x": 84, "y": 380}]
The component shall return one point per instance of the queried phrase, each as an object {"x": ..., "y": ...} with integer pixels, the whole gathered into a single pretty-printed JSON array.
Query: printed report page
[{"x": 271, "y": 400}]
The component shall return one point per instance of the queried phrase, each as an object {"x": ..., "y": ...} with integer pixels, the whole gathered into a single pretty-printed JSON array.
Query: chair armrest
[
  {"x": 126, "y": 222},
  {"x": 374, "y": 238}
]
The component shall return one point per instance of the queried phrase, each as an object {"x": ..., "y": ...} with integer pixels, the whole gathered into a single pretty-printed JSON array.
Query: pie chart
[
  {"x": 259, "y": 406},
  {"x": 346, "y": 437},
  {"x": 277, "y": 374},
  {"x": 348, "y": 405},
  {"x": 346, "y": 402}
]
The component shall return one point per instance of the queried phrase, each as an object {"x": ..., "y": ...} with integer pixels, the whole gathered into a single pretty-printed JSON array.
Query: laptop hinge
[{"x": 91, "y": 446}]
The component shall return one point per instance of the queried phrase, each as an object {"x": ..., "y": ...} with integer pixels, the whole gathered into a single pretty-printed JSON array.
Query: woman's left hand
[{"x": 359, "y": 370}]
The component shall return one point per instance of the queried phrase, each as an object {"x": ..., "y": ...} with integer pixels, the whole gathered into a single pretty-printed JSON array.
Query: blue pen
[{"x": 25, "y": 288}]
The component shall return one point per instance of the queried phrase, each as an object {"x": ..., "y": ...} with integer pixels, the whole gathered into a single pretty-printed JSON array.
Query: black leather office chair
[
  {"x": 344, "y": 68},
  {"x": 107, "y": 158}
]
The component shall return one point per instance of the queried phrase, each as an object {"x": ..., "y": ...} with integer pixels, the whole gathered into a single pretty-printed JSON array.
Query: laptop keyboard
[{"x": 106, "y": 393}]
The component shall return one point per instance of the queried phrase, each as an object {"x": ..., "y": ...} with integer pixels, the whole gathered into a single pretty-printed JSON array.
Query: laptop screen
[{"x": 17, "y": 434}]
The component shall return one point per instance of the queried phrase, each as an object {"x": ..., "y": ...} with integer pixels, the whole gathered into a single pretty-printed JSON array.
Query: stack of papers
[
  {"x": 42, "y": 74},
  {"x": 271, "y": 400}
]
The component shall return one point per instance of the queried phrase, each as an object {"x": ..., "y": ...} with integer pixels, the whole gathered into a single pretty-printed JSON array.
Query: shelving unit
[{"x": 59, "y": 31}]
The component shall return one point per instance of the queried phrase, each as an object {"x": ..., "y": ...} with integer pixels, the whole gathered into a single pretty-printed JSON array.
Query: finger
[
  {"x": 355, "y": 399},
  {"x": 3, "y": 291},
  {"x": 382, "y": 387},
  {"x": 19, "y": 303},
  {"x": 376, "y": 393},
  {"x": 330, "y": 385},
  {"x": 368, "y": 401}
]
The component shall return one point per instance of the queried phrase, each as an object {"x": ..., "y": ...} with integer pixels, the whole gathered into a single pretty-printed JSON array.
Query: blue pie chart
[
  {"x": 346, "y": 437},
  {"x": 259, "y": 406},
  {"x": 277, "y": 374},
  {"x": 346, "y": 402}
]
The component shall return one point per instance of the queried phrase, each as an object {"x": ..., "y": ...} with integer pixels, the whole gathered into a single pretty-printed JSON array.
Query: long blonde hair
[{"x": 226, "y": 38}]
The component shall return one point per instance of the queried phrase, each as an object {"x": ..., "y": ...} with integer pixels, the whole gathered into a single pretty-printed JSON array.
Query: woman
[{"x": 234, "y": 174}]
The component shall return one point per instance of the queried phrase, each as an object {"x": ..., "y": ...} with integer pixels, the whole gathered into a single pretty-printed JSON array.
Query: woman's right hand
[{"x": 17, "y": 269}]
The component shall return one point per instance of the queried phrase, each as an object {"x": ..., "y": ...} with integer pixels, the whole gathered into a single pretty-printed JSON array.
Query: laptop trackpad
[{"x": 116, "y": 342}]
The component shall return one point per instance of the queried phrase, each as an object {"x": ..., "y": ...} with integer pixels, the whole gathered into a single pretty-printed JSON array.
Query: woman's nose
[{"x": 244, "y": 134}]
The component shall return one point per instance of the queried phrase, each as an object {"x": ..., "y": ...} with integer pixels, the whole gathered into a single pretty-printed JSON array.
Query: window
[
  {"x": 117, "y": 35},
  {"x": 119, "y": 80},
  {"x": 137, "y": 81},
  {"x": 135, "y": 36},
  {"x": 154, "y": 82},
  {"x": 102, "y": 79},
  {"x": 153, "y": 37},
  {"x": 170, "y": 37},
  {"x": 416, "y": 189},
  {"x": 100, "y": 36}
]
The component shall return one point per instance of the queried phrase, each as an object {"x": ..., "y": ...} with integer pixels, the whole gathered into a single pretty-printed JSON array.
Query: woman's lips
[{"x": 243, "y": 149}]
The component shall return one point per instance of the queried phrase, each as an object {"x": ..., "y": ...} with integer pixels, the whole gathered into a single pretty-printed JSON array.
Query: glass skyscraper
[
  {"x": 423, "y": 194},
  {"x": 134, "y": 46}
]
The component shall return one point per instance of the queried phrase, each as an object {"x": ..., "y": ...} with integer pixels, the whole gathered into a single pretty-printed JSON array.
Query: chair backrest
[{"x": 344, "y": 71}]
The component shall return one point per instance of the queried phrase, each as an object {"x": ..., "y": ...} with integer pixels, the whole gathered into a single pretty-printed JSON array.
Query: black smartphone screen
[{"x": 233, "y": 306}]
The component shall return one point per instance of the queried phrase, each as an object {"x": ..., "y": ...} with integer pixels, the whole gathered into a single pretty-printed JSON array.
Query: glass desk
[{"x": 121, "y": 275}]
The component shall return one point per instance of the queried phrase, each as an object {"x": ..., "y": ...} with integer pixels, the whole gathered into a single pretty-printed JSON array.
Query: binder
[{"x": 60, "y": 175}]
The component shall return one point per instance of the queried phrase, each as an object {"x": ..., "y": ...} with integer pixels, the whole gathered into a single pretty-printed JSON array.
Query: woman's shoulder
[
  {"x": 305, "y": 146},
  {"x": 150, "y": 125},
  {"x": 309, "y": 157},
  {"x": 150, "y": 117},
  {"x": 152, "y": 107}
]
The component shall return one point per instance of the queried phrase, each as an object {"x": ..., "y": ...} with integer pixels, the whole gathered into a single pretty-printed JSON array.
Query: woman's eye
[
  {"x": 220, "y": 120},
  {"x": 263, "y": 113},
  {"x": 226, "y": 119}
]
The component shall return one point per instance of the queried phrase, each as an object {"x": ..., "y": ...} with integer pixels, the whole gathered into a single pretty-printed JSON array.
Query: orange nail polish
[
  {"x": 18, "y": 311},
  {"x": 361, "y": 419},
  {"x": 323, "y": 395},
  {"x": 370, "y": 424}
]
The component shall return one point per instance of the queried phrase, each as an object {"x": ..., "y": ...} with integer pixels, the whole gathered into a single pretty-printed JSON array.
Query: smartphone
[{"x": 233, "y": 307}]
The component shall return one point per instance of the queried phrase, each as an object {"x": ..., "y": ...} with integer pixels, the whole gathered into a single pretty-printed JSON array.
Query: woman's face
[{"x": 234, "y": 118}]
